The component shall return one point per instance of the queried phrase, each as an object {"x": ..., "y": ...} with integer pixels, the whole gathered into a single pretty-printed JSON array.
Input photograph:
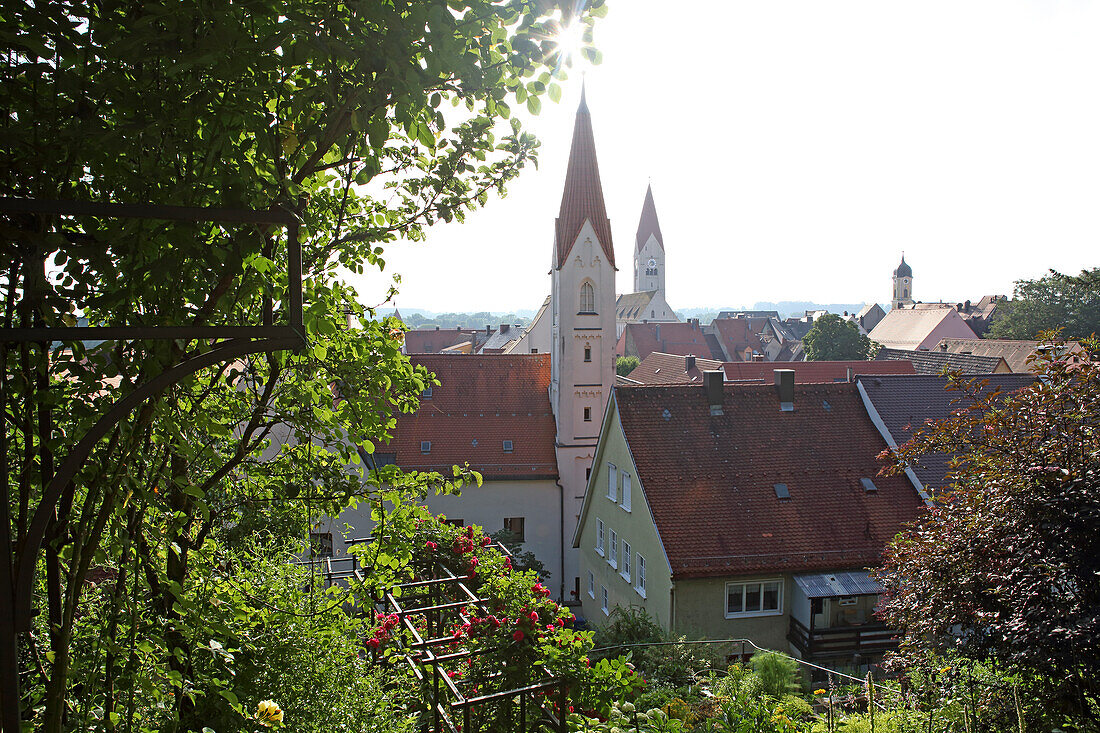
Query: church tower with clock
[{"x": 649, "y": 250}]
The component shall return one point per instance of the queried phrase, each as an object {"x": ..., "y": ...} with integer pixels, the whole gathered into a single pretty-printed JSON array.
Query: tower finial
[{"x": 583, "y": 107}]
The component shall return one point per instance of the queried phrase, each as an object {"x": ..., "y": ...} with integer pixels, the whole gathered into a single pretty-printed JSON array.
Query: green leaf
[
  {"x": 534, "y": 105},
  {"x": 555, "y": 92}
]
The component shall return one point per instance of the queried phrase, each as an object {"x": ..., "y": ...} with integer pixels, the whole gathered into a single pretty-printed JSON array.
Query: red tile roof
[
  {"x": 583, "y": 195},
  {"x": 432, "y": 340},
  {"x": 641, "y": 339},
  {"x": 710, "y": 479},
  {"x": 737, "y": 334},
  {"x": 648, "y": 223},
  {"x": 483, "y": 400},
  {"x": 658, "y": 368},
  {"x": 808, "y": 372}
]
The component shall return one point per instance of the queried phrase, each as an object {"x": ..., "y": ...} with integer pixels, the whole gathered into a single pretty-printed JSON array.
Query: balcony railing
[{"x": 842, "y": 641}]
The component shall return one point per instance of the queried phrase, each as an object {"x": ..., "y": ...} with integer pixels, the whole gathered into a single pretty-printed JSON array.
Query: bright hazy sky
[{"x": 796, "y": 147}]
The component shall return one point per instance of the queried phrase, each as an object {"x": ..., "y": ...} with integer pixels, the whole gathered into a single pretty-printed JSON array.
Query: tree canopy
[
  {"x": 366, "y": 121},
  {"x": 834, "y": 339},
  {"x": 1054, "y": 301},
  {"x": 1006, "y": 567}
]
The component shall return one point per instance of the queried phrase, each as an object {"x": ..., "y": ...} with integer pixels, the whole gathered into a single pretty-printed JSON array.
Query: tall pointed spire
[
  {"x": 648, "y": 223},
  {"x": 583, "y": 196}
]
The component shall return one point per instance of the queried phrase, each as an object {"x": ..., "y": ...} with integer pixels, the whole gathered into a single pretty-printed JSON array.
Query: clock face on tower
[{"x": 652, "y": 263}]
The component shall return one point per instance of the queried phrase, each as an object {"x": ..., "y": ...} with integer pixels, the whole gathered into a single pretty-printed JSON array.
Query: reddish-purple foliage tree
[{"x": 1006, "y": 567}]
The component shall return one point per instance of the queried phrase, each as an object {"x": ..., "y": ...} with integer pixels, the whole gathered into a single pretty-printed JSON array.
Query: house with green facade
[{"x": 743, "y": 511}]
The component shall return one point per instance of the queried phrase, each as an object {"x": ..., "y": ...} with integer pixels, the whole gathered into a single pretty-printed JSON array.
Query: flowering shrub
[{"x": 514, "y": 636}]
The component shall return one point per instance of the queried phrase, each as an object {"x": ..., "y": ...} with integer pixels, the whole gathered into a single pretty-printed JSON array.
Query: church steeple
[
  {"x": 582, "y": 198},
  {"x": 903, "y": 285},
  {"x": 649, "y": 250},
  {"x": 648, "y": 223}
]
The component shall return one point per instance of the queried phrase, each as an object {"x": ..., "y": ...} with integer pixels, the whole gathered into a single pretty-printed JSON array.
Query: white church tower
[
  {"x": 582, "y": 295},
  {"x": 903, "y": 285},
  {"x": 649, "y": 250}
]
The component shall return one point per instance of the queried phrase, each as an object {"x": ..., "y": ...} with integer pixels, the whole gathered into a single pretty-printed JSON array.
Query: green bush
[
  {"x": 796, "y": 707},
  {"x": 678, "y": 663},
  {"x": 751, "y": 687},
  {"x": 778, "y": 673}
]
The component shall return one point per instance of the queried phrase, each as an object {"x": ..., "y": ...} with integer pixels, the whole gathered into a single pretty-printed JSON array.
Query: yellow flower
[
  {"x": 268, "y": 712},
  {"x": 945, "y": 670},
  {"x": 819, "y": 692}
]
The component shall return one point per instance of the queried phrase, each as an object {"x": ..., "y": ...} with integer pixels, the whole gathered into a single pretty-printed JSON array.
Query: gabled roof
[
  {"x": 906, "y": 403},
  {"x": 628, "y": 306},
  {"x": 659, "y": 368},
  {"x": 710, "y": 479},
  {"x": 501, "y": 337},
  {"x": 582, "y": 199},
  {"x": 642, "y": 339},
  {"x": 737, "y": 334},
  {"x": 647, "y": 223},
  {"x": 809, "y": 372},
  {"x": 434, "y": 340},
  {"x": 934, "y": 362},
  {"x": 908, "y": 328},
  {"x": 1016, "y": 353},
  {"x": 483, "y": 400}
]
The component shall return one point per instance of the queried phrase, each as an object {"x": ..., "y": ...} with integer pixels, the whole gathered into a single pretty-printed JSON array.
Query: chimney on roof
[
  {"x": 784, "y": 386},
  {"x": 657, "y": 330},
  {"x": 437, "y": 328},
  {"x": 488, "y": 329},
  {"x": 689, "y": 362},
  {"x": 504, "y": 328},
  {"x": 712, "y": 384},
  {"x": 849, "y": 374}
]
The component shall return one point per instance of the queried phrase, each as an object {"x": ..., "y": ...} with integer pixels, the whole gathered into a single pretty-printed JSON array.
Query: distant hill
[
  {"x": 429, "y": 319},
  {"x": 786, "y": 308}
]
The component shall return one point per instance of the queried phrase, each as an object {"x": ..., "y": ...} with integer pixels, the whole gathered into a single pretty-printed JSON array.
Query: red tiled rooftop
[
  {"x": 667, "y": 338},
  {"x": 660, "y": 368},
  {"x": 808, "y": 372},
  {"x": 483, "y": 400},
  {"x": 709, "y": 479}
]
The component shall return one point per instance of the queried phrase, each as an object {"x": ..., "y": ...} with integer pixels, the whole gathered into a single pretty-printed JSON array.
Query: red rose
[{"x": 518, "y": 636}]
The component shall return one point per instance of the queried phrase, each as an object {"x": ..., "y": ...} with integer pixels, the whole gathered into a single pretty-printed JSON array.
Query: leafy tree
[
  {"x": 1010, "y": 554},
  {"x": 330, "y": 111},
  {"x": 624, "y": 365},
  {"x": 1068, "y": 302},
  {"x": 834, "y": 339}
]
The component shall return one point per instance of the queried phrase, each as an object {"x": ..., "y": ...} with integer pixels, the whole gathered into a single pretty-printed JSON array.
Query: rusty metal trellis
[
  {"x": 17, "y": 564},
  {"x": 433, "y": 600}
]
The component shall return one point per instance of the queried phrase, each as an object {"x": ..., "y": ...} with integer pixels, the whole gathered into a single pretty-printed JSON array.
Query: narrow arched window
[
  {"x": 588, "y": 298},
  {"x": 587, "y": 352}
]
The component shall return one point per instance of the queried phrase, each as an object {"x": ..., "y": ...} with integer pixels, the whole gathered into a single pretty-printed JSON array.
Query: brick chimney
[
  {"x": 689, "y": 362},
  {"x": 784, "y": 387}
]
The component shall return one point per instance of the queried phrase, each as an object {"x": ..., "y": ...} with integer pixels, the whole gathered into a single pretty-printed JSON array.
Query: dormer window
[
  {"x": 425, "y": 446},
  {"x": 588, "y": 298},
  {"x": 507, "y": 446}
]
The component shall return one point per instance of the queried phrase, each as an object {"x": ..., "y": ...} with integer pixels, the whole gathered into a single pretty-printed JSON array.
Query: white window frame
[
  {"x": 612, "y": 483},
  {"x": 599, "y": 536},
  {"x": 591, "y": 584},
  {"x": 625, "y": 498},
  {"x": 639, "y": 581},
  {"x": 603, "y": 600},
  {"x": 758, "y": 612},
  {"x": 613, "y": 549},
  {"x": 625, "y": 572}
]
